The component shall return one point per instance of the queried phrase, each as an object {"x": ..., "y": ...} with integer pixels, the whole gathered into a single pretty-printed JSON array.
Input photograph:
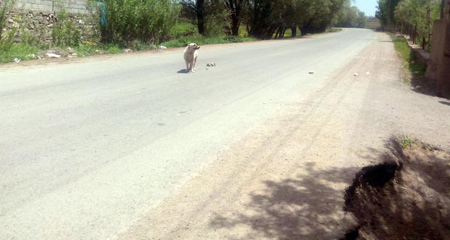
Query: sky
[{"x": 367, "y": 6}]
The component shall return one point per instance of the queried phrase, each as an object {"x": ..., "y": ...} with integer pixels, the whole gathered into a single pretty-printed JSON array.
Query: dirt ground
[
  {"x": 287, "y": 178},
  {"x": 406, "y": 197}
]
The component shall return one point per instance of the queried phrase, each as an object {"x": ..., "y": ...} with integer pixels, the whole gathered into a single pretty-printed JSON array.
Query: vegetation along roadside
[{"x": 104, "y": 26}]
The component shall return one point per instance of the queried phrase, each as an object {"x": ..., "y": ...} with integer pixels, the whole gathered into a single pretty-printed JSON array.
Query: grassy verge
[
  {"x": 19, "y": 51},
  {"x": 24, "y": 52},
  {"x": 414, "y": 70},
  {"x": 202, "y": 40},
  {"x": 182, "y": 34},
  {"x": 409, "y": 61}
]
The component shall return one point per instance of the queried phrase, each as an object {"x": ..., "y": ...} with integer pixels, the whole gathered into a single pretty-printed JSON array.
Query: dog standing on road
[{"x": 190, "y": 56}]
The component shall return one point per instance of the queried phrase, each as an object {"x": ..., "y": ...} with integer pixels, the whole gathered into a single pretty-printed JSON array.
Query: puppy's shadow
[{"x": 183, "y": 71}]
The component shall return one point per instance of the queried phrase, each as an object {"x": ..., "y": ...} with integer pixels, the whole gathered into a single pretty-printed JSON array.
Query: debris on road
[
  {"x": 311, "y": 72},
  {"x": 367, "y": 73},
  {"x": 163, "y": 47},
  {"x": 211, "y": 64},
  {"x": 16, "y": 60},
  {"x": 52, "y": 55},
  {"x": 355, "y": 74}
]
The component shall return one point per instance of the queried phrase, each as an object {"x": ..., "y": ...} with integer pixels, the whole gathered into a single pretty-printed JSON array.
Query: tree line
[
  {"x": 412, "y": 17},
  {"x": 125, "y": 22},
  {"x": 151, "y": 20},
  {"x": 270, "y": 18},
  {"x": 350, "y": 16}
]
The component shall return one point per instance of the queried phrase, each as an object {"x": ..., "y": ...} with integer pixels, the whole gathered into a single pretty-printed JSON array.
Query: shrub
[
  {"x": 148, "y": 21},
  {"x": 65, "y": 32},
  {"x": 6, "y": 37},
  {"x": 5, "y": 7},
  {"x": 216, "y": 21}
]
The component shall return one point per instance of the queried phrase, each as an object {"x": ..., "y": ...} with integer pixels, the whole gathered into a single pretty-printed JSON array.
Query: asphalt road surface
[{"x": 130, "y": 146}]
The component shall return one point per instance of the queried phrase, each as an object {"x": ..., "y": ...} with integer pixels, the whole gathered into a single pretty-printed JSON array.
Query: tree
[
  {"x": 195, "y": 8},
  {"x": 415, "y": 18},
  {"x": 237, "y": 9},
  {"x": 350, "y": 16}
]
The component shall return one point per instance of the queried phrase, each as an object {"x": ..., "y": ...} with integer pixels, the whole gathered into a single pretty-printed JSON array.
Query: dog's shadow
[{"x": 183, "y": 71}]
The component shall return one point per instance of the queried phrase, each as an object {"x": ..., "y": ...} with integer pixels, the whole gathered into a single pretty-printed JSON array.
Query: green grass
[
  {"x": 243, "y": 32},
  {"x": 85, "y": 50},
  {"x": 416, "y": 68},
  {"x": 20, "y": 51},
  {"x": 112, "y": 49},
  {"x": 183, "y": 28},
  {"x": 202, "y": 40},
  {"x": 406, "y": 141},
  {"x": 185, "y": 32}
]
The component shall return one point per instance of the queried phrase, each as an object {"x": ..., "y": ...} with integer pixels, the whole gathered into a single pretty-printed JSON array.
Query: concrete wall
[
  {"x": 436, "y": 50},
  {"x": 73, "y": 6},
  {"x": 439, "y": 65}
]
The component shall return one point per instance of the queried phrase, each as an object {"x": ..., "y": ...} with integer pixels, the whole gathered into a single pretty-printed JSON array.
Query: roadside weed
[{"x": 406, "y": 141}]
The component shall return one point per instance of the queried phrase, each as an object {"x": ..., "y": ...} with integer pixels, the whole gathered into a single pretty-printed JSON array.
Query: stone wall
[{"x": 40, "y": 24}]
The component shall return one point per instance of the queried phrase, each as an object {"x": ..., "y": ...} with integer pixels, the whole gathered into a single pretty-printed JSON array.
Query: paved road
[{"x": 88, "y": 148}]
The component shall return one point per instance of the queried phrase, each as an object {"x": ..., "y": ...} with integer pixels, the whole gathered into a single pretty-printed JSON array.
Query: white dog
[{"x": 190, "y": 56}]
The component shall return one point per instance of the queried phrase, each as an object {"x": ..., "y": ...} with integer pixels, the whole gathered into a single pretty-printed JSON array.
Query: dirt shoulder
[{"x": 287, "y": 178}]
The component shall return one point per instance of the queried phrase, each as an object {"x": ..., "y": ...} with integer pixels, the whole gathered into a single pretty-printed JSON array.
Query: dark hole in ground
[
  {"x": 375, "y": 176},
  {"x": 351, "y": 235},
  {"x": 406, "y": 197},
  {"x": 379, "y": 175}
]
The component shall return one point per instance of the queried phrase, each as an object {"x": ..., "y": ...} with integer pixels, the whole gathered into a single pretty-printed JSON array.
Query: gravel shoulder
[{"x": 286, "y": 179}]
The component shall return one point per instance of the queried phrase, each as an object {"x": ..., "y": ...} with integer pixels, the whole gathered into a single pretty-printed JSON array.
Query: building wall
[{"x": 439, "y": 66}]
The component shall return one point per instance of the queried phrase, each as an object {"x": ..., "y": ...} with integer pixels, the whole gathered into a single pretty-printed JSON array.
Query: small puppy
[{"x": 190, "y": 56}]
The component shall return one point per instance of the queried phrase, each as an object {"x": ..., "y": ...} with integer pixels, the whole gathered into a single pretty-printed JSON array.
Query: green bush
[
  {"x": 5, "y": 7},
  {"x": 6, "y": 37},
  {"x": 148, "y": 21},
  {"x": 20, "y": 51},
  {"x": 410, "y": 62},
  {"x": 65, "y": 32},
  {"x": 183, "y": 28},
  {"x": 216, "y": 21},
  {"x": 7, "y": 41}
]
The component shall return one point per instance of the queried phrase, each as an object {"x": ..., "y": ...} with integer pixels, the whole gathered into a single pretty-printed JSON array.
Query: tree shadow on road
[{"x": 306, "y": 207}]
